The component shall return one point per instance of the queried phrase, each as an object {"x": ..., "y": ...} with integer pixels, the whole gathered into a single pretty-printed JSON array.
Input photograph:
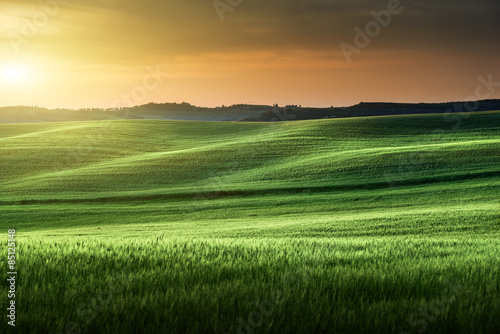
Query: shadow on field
[{"x": 260, "y": 192}]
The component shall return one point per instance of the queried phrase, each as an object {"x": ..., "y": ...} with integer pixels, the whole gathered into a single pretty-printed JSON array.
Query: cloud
[{"x": 129, "y": 29}]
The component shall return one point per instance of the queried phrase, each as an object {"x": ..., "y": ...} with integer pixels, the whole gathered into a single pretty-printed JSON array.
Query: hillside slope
[{"x": 140, "y": 158}]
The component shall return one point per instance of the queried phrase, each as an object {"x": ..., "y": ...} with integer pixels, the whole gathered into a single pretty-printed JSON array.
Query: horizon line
[{"x": 240, "y": 104}]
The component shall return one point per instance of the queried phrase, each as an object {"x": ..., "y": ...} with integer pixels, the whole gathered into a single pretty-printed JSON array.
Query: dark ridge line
[
  {"x": 262, "y": 113},
  {"x": 248, "y": 193},
  {"x": 370, "y": 109}
]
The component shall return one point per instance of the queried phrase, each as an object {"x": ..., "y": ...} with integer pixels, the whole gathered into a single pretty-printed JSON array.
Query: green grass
[{"x": 363, "y": 225}]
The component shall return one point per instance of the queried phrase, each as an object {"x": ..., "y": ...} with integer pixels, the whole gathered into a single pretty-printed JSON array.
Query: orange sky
[{"x": 103, "y": 53}]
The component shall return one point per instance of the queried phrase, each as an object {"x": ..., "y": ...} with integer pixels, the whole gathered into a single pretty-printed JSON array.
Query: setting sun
[{"x": 14, "y": 74}]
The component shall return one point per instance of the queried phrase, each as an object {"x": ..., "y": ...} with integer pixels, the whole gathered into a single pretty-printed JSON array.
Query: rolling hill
[{"x": 239, "y": 112}]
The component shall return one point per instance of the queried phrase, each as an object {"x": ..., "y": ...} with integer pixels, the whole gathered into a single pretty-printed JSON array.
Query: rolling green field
[{"x": 356, "y": 225}]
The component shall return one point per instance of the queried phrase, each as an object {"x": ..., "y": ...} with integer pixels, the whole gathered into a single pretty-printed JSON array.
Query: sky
[{"x": 116, "y": 53}]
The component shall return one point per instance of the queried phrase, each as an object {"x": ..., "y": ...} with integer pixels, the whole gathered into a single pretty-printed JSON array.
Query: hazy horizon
[{"x": 248, "y": 104}]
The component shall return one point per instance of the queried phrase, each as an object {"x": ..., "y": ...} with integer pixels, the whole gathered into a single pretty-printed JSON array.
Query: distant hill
[
  {"x": 161, "y": 111},
  {"x": 372, "y": 109},
  {"x": 239, "y": 112}
]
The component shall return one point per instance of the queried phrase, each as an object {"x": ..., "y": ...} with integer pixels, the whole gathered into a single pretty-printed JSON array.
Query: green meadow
[{"x": 356, "y": 225}]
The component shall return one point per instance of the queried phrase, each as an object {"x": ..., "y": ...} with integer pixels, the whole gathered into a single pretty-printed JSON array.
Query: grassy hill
[
  {"x": 238, "y": 112},
  {"x": 156, "y": 111},
  {"x": 381, "y": 224}
]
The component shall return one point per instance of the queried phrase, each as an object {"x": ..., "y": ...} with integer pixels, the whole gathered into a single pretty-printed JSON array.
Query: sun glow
[{"x": 14, "y": 74}]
